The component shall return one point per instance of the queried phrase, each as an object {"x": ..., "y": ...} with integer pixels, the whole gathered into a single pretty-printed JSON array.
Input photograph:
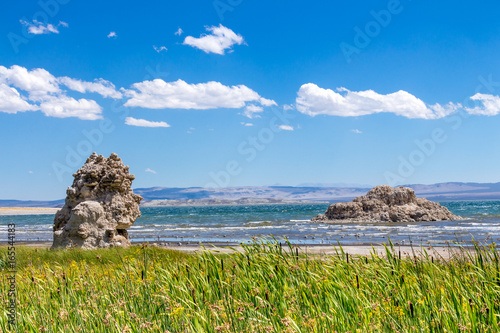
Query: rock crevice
[
  {"x": 386, "y": 204},
  {"x": 99, "y": 206}
]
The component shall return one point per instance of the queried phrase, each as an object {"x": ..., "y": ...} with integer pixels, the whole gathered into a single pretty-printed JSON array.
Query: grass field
[{"x": 265, "y": 288}]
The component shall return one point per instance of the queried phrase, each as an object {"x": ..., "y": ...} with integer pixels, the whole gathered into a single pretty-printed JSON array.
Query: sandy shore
[
  {"x": 440, "y": 252},
  {"x": 328, "y": 250},
  {"x": 27, "y": 211}
]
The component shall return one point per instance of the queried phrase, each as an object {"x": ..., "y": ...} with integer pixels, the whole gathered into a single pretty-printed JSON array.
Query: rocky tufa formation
[
  {"x": 99, "y": 207},
  {"x": 386, "y": 204}
]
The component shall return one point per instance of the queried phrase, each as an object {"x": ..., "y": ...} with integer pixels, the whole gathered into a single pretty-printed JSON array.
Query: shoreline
[
  {"x": 14, "y": 211},
  {"x": 362, "y": 250}
]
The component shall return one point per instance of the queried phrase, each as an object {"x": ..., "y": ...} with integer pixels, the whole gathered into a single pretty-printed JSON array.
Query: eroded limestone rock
[
  {"x": 386, "y": 204},
  {"x": 99, "y": 207}
]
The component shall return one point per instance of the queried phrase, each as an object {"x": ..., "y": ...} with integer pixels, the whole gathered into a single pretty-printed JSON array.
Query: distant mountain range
[
  {"x": 261, "y": 194},
  {"x": 31, "y": 203}
]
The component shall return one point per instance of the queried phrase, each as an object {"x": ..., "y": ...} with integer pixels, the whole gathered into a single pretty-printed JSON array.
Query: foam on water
[{"x": 235, "y": 224}]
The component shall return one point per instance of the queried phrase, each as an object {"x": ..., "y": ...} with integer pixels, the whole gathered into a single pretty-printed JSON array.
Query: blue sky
[{"x": 238, "y": 92}]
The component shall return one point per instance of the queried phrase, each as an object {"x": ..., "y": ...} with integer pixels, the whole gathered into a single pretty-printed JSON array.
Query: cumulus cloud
[
  {"x": 357, "y": 131},
  {"x": 20, "y": 86},
  {"x": 246, "y": 124},
  {"x": 12, "y": 102},
  {"x": 313, "y": 100},
  {"x": 112, "y": 34},
  {"x": 252, "y": 110},
  {"x": 286, "y": 127},
  {"x": 145, "y": 123},
  {"x": 267, "y": 102},
  {"x": 38, "y": 28},
  {"x": 64, "y": 106},
  {"x": 151, "y": 171},
  {"x": 100, "y": 86},
  {"x": 441, "y": 111},
  {"x": 220, "y": 39},
  {"x": 179, "y": 32},
  {"x": 37, "y": 82},
  {"x": 158, "y": 94},
  {"x": 27, "y": 90},
  {"x": 31, "y": 90},
  {"x": 488, "y": 105},
  {"x": 159, "y": 49}
]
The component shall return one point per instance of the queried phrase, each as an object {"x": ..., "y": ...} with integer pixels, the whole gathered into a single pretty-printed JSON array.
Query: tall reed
[{"x": 266, "y": 287}]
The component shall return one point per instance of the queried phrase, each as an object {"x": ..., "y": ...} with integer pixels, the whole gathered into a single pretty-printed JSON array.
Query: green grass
[{"x": 264, "y": 288}]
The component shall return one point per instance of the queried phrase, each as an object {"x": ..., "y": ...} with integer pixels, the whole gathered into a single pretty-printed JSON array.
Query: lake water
[{"x": 237, "y": 224}]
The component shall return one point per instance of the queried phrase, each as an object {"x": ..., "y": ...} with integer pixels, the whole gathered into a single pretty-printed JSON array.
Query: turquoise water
[{"x": 236, "y": 224}]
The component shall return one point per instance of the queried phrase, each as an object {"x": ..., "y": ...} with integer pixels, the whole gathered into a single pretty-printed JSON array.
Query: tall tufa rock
[
  {"x": 384, "y": 203},
  {"x": 99, "y": 207}
]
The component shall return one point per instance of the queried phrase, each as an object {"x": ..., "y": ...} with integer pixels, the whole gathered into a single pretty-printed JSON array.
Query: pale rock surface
[
  {"x": 99, "y": 207},
  {"x": 386, "y": 204}
]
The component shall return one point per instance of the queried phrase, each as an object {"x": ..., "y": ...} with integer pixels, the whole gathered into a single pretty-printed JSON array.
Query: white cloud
[
  {"x": 489, "y": 105},
  {"x": 246, "y": 124},
  {"x": 30, "y": 172},
  {"x": 179, "y": 32},
  {"x": 357, "y": 131},
  {"x": 43, "y": 88},
  {"x": 251, "y": 110},
  {"x": 267, "y": 102},
  {"x": 37, "y": 82},
  {"x": 313, "y": 100},
  {"x": 158, "y": 94},
  {"x": 285, "y": 128},
  {"x": 38, "y": 28},
  {"x": 64, "y": 106},
  {"x": 12, "y": 102},
  {"x": 112, "y": 34},
  {"x": 150, "y": 171},
  {"x": 220, "y": 39},
  {"x": 159, "y": 49},
  {"x": 145, "y": 123},
  {"x": 37, "y": 89},
  {"x": 100, "y": 86},
  {"x": 441, "y": 111}
]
